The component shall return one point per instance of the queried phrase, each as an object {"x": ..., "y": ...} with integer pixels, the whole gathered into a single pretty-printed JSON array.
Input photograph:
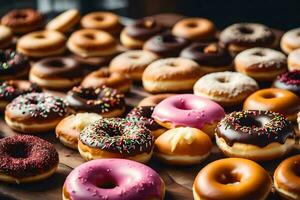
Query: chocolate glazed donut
[
  {"x": 166, "y": 45},
  {"x": 143, "y": 29},
  {"x": 207, "y": 54}
]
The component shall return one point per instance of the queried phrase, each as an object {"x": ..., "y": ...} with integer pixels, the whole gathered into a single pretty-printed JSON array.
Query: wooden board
[{"x": 178, "y": 180}]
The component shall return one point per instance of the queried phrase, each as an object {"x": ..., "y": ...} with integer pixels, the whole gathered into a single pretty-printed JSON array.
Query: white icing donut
[{"x": 290, "y": 40}]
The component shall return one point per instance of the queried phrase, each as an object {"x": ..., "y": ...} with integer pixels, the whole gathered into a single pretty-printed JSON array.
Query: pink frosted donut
[
  {"x": 189, "y": 110},
  {"x": 113, "y": 179}
]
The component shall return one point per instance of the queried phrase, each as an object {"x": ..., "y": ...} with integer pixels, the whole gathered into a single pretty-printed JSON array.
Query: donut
[
  {"x": 136, "y": 34},
  {"x": 42, "y": 44},
  {"x": 255, "y": 134},
  {"x": 68, "y": 129},
  {"x": 92, "y": 43},
  {"x": 26, "y": 159},
  {"x": 142, "y": 114},
  {"x": 262, "y": 64},
  {"x": 286, "y": 178},
  {"x": 232, "y": 178},
  {"x": 13, "y": 65},
  {"x": 167, "y": 20},
  {"x": 289, "y": 81},
  {"x": 23, "y": 20},
  {"x": 105, "y": 21},
  {"x": 183, "y": 146},
  {"x": 276, "y": 100},
  {"x": 169, "y": 74},
  {"x": 225, "y": 88},
  {"x": 65, "y": 21},
  {"x": 57, "y": 73},
  {"x": 211, "y": 57},
  {"x": 165, "y": 45},
  {"x": 153, "y": 100},
  {"x": 290, "y": 41},
  {"x": 103, "y": 76},
  {"x": 241, "y": 36},
  {"x": 293, "y": 60},
  {"x": 35, "y": 113},
  {"x": 113, "y": 179},
  {"x": 132, "y": 63},
  {"x": 93, "y": 63},
  {"x": 6, "y": 37},
  {"x": 188, "y": 110},
  {"x": 103, "y": 100},
  {"x": 11, "y": 89},
  {"x": 195, "y": 29},
  {"x": 116, "y": 138}
]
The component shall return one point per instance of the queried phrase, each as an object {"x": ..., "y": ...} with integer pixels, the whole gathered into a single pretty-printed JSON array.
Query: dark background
[{"x": 274, "y": 13}]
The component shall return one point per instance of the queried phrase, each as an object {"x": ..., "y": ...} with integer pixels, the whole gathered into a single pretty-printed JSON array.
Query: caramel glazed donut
[
  {"x": 262, "y": 64},
  {"x": 42, "y": 44},
  {"x": 35, "y": 112},
  {"x": 92, "y": 43},
  {"x": 168, "y": 75},
  {"x": 241, "y": 36},
  {"x": 256, "y": 135},
  {"x": 56, "y": 73},
  {"x": 232, "y": 179},
  {"x": 116, "y": 138},
  {"x": 23, "y": 20},
  {"x": 26, "y": 159}
]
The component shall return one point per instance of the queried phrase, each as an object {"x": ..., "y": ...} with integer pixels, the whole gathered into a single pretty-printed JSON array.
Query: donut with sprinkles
[{"x": 289, "y": 81}]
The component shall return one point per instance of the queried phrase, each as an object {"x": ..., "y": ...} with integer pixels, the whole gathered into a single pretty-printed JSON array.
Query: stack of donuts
[{"x": 232, "y": 92}]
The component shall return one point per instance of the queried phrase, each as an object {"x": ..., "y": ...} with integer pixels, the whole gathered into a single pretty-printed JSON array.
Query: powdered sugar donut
[
  {"x": 226, "y": 88},
  {"x": 290, "y": 40},
  {"x": 262, "y": 64}
]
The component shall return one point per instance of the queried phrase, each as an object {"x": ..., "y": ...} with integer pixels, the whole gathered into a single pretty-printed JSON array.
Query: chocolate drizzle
[
  {"x": 258, "y": 128},
  {"x": 289, "y": 81}
]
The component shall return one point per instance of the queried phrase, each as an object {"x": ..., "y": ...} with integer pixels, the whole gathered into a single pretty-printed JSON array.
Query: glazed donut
[
  {"x": 234, "y": 179},
  {"x": 290, "y": 41},
  {"x": 286, "y": 178},
  {"x": 11, "y": 89},
  {"x": 167, "y": 20},
  {"x": 103, "y": 100},
  {"x": 294, "y": 60},
  {"x": 142, "y": 114},
  {"x": 92, "y": 43},
  {"x": 68, "y": 129},
  {"x": 225, "y": 88},
  {"x": 23, "y": 20},
  {"x": 276, "y": 100},
  {"x": 165, "y": 45},
  {"x": 182, "y": 146},
  {"x": 262, "y": 64},
  {"x": 241, "y": 36},
  {"x": 196, "y": 29},
  {"x": 114, "y": 179},
  {"x": 103, "y": 76},
  {"x": 42, "y": 44},
  {"x": 6, "y": 37},
  {"x": 116, "y": 138},
  {"x": 289, "y": 81},
  {"x": 136, "y": 34},
  {"x": 105, "y": 21},
  {"x": 65, "y": 21},
  {"x": 35, "y": 113},
  {"x": 57, "y": 73},
  {"x": 26, "y": 159},
  {"x": 188, "y": 110},
  {"x": 153, "y": 100},
  {"x": 132, "y": 63},
  {"x": 255, "y": 134},
  {"x": 168, "y": 75},
  {"x": 13, "y": 65},
  {"x": 211, "y": 57}
]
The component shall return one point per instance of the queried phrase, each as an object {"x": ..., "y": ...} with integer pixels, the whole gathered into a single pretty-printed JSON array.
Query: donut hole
[
  {"x": 167, "y": 39},
  {"x": 107, "y": 184},
  {"x": 99, "y": 18},
  {"x": 134, "y": 57},
  {"x": 40, "y": 37},
  {"x": 212, "y": 48},
  {"x": 250, "y": 122},
  {"x": 229, "y": 178},
  {"x": 296, "y": 168},
  {"x": 89, "y": 36},
  {"x": 269, "y": 95},
  {"x": 222, "y": 80},
  {"x": 245, "y": 30},
  {"x": 20, "y": 16},
  {"x": 191, "y": 25},
  {"x": 148, "y": 24},
  {"x": 19, "y": 150},
  {"x": 259, "y": 53},
  {"x": 55, "y": 63},
  {"x": 172, "y": 64}
]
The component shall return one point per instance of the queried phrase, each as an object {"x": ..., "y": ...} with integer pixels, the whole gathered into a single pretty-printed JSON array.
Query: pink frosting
[
  {"x": 131, "y": 181},
  {"x": 188, "y": 110}
]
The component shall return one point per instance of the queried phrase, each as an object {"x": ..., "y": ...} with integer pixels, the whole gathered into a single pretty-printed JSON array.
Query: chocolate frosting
[
  {"x": 258, "y": 128},
  {"x": 289, "y": 81},
  {"x": 143, "y": 29},
  {"x": 208, "y": 54},
  {"x": 166, "y": 45}
]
